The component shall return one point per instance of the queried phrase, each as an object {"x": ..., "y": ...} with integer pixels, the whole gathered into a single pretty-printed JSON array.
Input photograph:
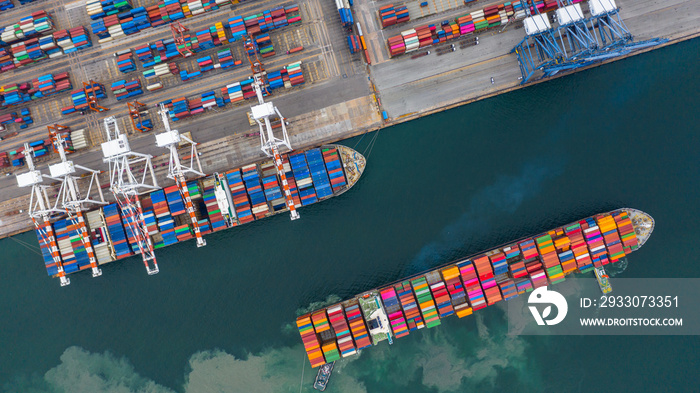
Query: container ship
[
  {"x": 221, "y": 201},
  {"x": 464, "y": 286}
]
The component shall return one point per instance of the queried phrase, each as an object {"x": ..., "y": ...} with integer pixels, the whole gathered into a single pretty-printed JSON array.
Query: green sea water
[{"x": 221, "y": 318}]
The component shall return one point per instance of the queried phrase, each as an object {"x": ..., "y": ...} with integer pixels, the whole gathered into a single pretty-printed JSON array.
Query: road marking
[
  {"x": 74, "y": 4},
  {"x": 109, "y": 69}
]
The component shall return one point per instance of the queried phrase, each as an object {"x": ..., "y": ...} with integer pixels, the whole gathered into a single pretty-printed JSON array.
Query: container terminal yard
[{"x": 334, "y": 69}]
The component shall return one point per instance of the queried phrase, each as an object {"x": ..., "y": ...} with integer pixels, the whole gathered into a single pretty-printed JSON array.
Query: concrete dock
[{"x": 342, "y": 96}]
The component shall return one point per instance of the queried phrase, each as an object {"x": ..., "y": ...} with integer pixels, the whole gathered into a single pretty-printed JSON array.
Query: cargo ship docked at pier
[
  {"x": 220, "y": 201},
  {"x": 464, "y": 286}
]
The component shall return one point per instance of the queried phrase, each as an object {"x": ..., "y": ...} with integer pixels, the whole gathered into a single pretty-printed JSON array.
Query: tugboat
[
  {"x": 603, "y": 280},
  {"x": 324, "y": 374}
]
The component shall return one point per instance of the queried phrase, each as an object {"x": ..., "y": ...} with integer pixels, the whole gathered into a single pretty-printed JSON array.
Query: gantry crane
[
  {"x": 71, "y": 198},
  {"x": 135, "y": 114},
  {"x": 127, "y": 186},
  {"x": 40, "y": 207},
  {"x": 170, "y": 139},
  {"x": 270, "y": 145},
  {"x": 54, "y": 131},
  {"x": 582, "y": 47},
  {"x": 91, "y": 97},
  {"x": 179, "y": 31}
]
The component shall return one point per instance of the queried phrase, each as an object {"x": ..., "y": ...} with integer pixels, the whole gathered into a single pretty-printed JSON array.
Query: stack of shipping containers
[
  {"x": 335, "y": 168},
  {"x": 240, "y": 196},
  {"x": 627, "y": 235},
  {"x": 99, "y": 236},
  {"x": 291, "y": 180},
  {"x": 346, "y": 345},
  {"x": 251, "y": 178},
  {"x": 608, "y": 227},
  {"x": 410, "y": 307},
  {"x": 64, "y": 231},
  {"x": 175, "y": 204},
  {"x": 166, "y": 224},
  {"x": 357, "y": 324},
  {"x": 149, "y": 218},
  {"x": 393, "y": 311},
  {"x": 273, "y": 193},
  {"x": 327, "y": 336},
  {"x": 440, "y": 294},
  {"x": 471, "y": 285},
  {"x": 549, "y": 258},
  {"x": 319, "y": 175},
  {"x": 216, "y": 218},
  {"x": 129, "y": 219},
  {"x": 517, "y": 269},
  {"x": 455, "y": 288},
  {"x": 579, "y": 248},
  {"x": 302, "y": 176},
  {"x": 116, "y": 231},
  {"x": 311, "y": 343},
  {"x": 532, "y": 263},
  {"x": 199, "y": 206},
  {"x": 487, "y": 279},
  {"x": 594, "y": 239},
  {"x": 51, "y": 268},
  {"x": 425, "y": 302}
]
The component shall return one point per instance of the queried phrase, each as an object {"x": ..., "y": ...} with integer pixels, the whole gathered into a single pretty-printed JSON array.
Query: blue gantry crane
[{"x": 576, "y": 41}]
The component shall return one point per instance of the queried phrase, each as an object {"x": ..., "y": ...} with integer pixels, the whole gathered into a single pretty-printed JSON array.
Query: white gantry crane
[
  {"x": 127, "y": 186},
  {"x": 70, "y": 196},
  {"x": 270, "y": 144},
  {"x": 40, "y": 207},
  {"x": 171, "y": 139}
]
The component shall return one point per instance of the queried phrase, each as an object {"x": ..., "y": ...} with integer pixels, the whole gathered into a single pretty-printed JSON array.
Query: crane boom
[
  {"x": 262, "y": 113},
  {"x": 40, "y": 207},
  {"x": 126, "y": 187},
  {"x": 70, "y": 196},
  {"x": 170, "y": 139}
]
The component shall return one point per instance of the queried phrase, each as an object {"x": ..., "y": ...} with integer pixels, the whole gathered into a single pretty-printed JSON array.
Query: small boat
[
  {"x": 324, "y": 374},
  {"x": 603, "y": 280}
]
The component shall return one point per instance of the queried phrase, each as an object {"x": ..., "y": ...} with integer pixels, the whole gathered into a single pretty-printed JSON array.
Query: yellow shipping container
[
  {"x": 464, "y": 312},
  {"x": 450, "y": 272},
  {"x": 562, "y": 242}
]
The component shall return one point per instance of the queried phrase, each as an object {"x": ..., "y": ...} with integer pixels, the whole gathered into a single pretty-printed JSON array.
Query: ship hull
[
  {"x": 510, "y": 269},
  {"x": 222, "y": 201}
]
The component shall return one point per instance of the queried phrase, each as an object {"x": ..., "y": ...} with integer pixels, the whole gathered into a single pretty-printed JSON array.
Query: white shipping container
[
  {"x": 102, "y": 253},
  {"x": 260, "y": 209}
]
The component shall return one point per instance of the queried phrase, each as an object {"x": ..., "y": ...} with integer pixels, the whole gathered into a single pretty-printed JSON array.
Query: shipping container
[
  {"x": 346, "y": 344},
  {"x": 410, "y": 308},
  {"x": 455, "y": 288},
  {"x": 393, "y": 310},
  {"x": 425, "y": 302}
]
